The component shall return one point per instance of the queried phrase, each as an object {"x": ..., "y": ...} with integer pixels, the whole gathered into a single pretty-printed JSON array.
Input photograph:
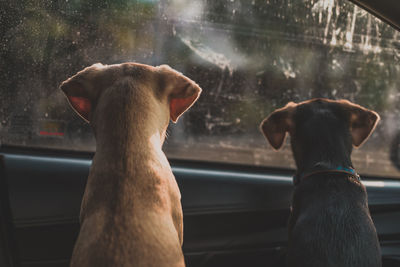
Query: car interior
[{"x": 236, "y": 190}]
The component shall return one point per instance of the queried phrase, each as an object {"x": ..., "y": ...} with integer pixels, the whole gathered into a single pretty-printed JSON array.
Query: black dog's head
[{"x": 320, "y": 129}]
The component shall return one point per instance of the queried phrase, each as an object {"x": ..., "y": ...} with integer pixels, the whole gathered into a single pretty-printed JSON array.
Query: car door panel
[{"x": 233, "y": 215}]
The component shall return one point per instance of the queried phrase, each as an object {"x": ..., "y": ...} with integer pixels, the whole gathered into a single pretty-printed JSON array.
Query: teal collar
[{"x": 350, "y": 171}]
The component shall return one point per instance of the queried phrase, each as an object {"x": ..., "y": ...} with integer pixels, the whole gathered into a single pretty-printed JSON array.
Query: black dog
[{"x": 330, "y": 224}]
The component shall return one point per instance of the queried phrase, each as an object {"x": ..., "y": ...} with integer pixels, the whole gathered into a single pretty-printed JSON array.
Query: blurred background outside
[{"x": 249, "y": 56}]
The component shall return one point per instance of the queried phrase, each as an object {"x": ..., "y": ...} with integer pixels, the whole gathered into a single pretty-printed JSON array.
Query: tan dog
[{"x": 131, "y": 213}]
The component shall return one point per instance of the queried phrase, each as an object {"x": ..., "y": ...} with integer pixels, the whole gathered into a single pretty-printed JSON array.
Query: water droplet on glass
[{"x": 46, "y": 114}]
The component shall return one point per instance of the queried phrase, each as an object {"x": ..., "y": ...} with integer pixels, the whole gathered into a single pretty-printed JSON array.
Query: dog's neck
[
  {"x": 136, "y": 138},
  {"x": 143, "y": 147},
  {"x": 327, "y": 147}
]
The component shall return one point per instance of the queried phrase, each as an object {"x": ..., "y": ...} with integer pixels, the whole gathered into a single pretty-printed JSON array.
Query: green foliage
[{"x": 278, "y": 50}]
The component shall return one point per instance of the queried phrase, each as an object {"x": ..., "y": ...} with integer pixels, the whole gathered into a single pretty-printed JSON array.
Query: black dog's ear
[
  {"x": 362, "y": 122},
  {"x": 277, "y": 124}
]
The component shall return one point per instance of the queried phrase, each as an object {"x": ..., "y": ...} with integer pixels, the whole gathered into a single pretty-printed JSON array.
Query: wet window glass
[{"x": 249, "y": 56}]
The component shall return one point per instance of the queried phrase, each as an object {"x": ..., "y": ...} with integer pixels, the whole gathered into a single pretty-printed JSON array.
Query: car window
[{"x": 249, "y": 56}]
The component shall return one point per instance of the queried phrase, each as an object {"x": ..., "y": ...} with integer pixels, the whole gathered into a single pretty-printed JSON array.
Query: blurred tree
[{"x": 270, "y": 52}]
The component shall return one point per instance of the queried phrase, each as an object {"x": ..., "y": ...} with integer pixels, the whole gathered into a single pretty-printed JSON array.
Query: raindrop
[{"x": 46, "y": 114}]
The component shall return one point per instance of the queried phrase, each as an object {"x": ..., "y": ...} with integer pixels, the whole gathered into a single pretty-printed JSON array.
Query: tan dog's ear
[
  {"x": 276, "y": 126},
  {"x": 362, "y": 122},
  {"x": 183, "y": 92},
  {"x": 77, "y": 97},
  {"x": 183, "y": 98},
  {"x": 77, "y": 91}
]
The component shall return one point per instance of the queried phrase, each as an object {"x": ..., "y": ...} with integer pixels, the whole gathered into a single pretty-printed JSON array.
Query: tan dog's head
[{"x": 157, "y": 93}]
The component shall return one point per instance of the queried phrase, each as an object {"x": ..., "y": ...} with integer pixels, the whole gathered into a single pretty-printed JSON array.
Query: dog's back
[{"x": 332, "y": 225}]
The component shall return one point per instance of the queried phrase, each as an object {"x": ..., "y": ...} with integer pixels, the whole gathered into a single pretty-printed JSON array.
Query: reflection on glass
[{"x": 249, "y": 57}]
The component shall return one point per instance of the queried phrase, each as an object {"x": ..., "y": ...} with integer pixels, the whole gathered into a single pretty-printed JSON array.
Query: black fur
[{"x": 330, "y": 224}]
